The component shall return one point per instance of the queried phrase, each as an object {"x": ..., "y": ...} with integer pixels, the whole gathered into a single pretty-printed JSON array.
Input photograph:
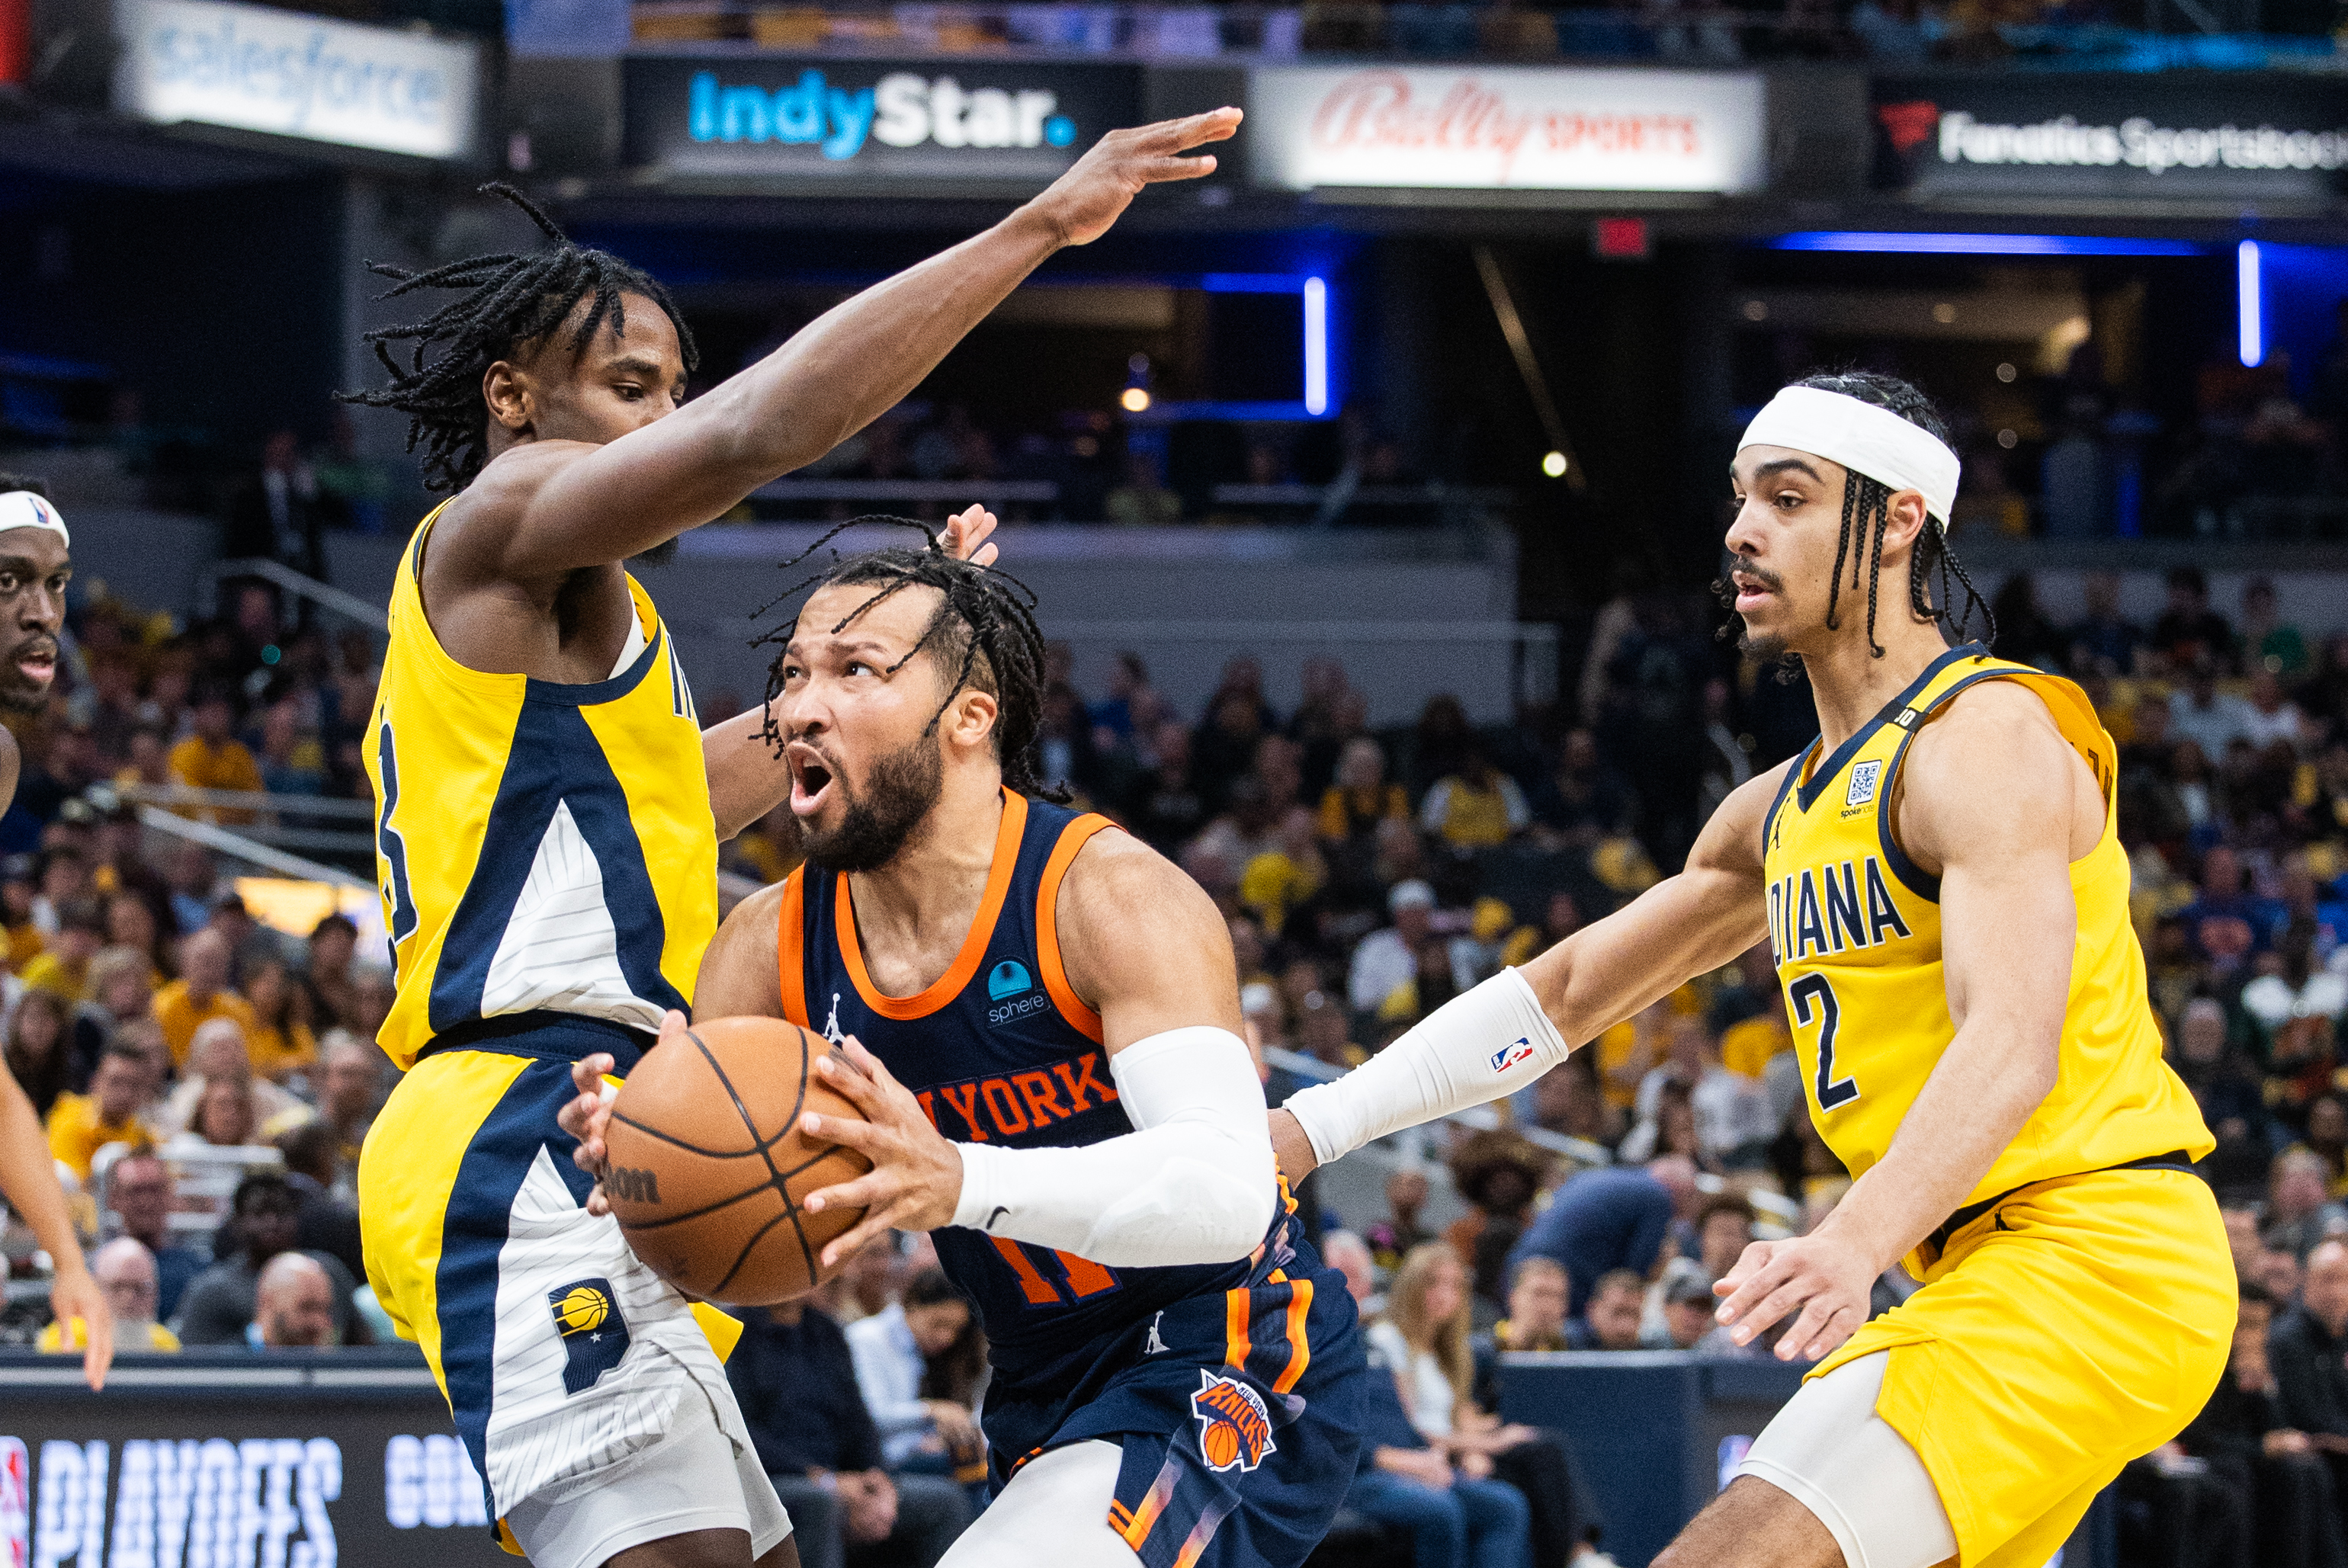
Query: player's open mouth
[
  {"x": 38, "y": 664},
  {"x": 810, "y": 781},
  {"x": 1750, "y": 591}
]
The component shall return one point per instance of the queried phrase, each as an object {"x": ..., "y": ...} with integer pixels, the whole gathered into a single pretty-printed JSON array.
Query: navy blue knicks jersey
[{"x": 1204, "y": 1371}]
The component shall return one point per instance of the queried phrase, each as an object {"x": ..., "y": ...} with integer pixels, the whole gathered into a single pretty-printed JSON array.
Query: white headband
[
  {"x": 23, "y": 509},
  {"x": 1862, "y": 437}
]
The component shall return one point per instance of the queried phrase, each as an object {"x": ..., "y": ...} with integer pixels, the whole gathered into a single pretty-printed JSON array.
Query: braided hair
[
  {"x": 512, "y": 300},
  {"x": 1866, "y": 513},
  {"x": 984, "y": 629}
]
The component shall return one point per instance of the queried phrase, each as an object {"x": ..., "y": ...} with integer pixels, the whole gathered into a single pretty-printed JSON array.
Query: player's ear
[
  {"x": 972, "y": 722},
  {"x": 1904, "y": 522},
  {"x": 512, "y": 400}
]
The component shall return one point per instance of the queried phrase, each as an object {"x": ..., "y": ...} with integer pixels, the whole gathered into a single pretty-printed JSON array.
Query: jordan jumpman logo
[{"x": 831, "y": 1024}]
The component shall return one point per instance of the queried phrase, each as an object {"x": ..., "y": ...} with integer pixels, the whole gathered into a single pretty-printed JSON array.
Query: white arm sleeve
[
  {"x": 1475, "y": 1048},
  {"x": 1194, "y": 1183}
]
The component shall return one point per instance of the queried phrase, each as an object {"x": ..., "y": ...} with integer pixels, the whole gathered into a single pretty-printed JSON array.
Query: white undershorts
[
  {"x": 1831, "y": 1452},
  {"x": 1054, "y": 1511},
  {"x": 678, "y": 1483}
]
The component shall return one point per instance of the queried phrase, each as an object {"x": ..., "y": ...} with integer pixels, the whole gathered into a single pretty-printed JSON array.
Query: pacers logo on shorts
[
  {"x": 1234, "y": 1428},
  {"x": 594, "y": 1335}
]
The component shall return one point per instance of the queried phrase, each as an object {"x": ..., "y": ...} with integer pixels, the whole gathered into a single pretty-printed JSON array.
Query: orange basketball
[
  {"x": 707, "y": 1166},
  {"x": 1221, "y": 1443}
]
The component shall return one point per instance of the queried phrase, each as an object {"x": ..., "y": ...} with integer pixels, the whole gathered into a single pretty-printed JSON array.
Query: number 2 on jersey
[
  {"x": 1803, "y": 993},
  {"x": 1079, "y": 1277}
]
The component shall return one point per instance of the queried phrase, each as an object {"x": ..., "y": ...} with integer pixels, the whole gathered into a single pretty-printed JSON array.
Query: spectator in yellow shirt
[
  {"x": 1360, "y": 798},
  {"x": 62, "y": 968},
  {"x": 111, "y": 1112},
  {"x": 1748, "y": 1047},
  {"x": 201, "y": 993},
  {"x": 213, "y": 758},
  {"x": 1476, "y": 807},
  {"x": 281, "y": 1043},
  {"x": 125, "y": 1271}
]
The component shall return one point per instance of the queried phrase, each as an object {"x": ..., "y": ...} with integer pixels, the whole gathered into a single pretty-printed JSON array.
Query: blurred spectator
[
  {"x": 1724, "y": 1227},
  {"x": 1687, "y": 1307},
  {"x": 125, "y": 1271},
  {"x": 122, "y": 994},
  {"x": 263, "y": 1223},
  {"x": 112, "y": 1112},
  {"x": 1361, "y": 796},
  {"x": 2273, "y": 717},
  {"x": 2281, "y": 1511},
  {"x": 1583, "y": 800},
  {"x": 39, "y": 1049},
  {"x": 1475, "y": 807},
  {"x": 796, "y": 1378},
  {"x": 191, "y": 876},
  {"x": 220, "y": 1055},
  {"x": 892, "y": 1350},
  {"x": 294, "y": 1305},
  {"x": 1142, "y": 500},
  {"x": 62, "y": 968},
  {"x": 2300, "y": 1214},
  {"x": 334, "y": 995},
  {"x": 327, "y": 1223},
  {"x": 1350, "y": 1256},
  {"x": 1538, "y": 1291},
  {"x": 212, "y": 758},
  {"x": 2228, "y": 922},
  {"x": 139, "y": 1191},
  {"x": 2306, "y": 1348},
  {"x": 2269, "y": 642},
  {"x": 1400, "y": 1233},
  {"x": 1497, "y": 1173},
  {"x": 2189, "y": 633},
  {"x": 1616, "y": 1306},
  {"x": 350, "y": 1093},
  {"x": 2103, "y": 639},
  {"x": 1169, "y": 806},
  {"x": 2210, "y": 718},
  {"x": 1388, "y": 959},
  {"x": 280, "y": 1041},
  {"x": 1454, "y": 1517},
  {"x": 202, "y": 994},
  {"x": 1616, "y": 1217}
]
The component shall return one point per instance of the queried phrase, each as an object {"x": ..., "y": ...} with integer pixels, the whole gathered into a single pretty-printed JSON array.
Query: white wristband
[
  {"x": 1192, "y": 1185},
  {"x": 1475, "y": 1048}
]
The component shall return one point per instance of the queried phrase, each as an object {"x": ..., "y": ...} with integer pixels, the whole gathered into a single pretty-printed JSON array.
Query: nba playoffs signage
[
  {"x": 832, "y": 118},
  {"x": 290, "y": 75},
  {"x": 1456, "y": 127},
  {"x": 2157, "y": 137}
]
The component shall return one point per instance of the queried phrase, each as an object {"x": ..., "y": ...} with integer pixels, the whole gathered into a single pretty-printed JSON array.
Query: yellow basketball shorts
[{"x": 2079, "y": 1325}]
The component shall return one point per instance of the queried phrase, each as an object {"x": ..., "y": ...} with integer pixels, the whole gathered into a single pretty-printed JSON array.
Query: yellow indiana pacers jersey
[
  {"x": 539, "y": 845},
  {"x": 1856, "y": 928}
]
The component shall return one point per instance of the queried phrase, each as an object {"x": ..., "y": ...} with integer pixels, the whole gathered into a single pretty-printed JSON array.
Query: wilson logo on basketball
[
  {"x": 1234, "y": 1427},
  {"x": 632, "y": 1186}
]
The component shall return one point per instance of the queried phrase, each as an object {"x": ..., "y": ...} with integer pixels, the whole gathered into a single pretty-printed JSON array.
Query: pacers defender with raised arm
[
  {"x": 1940, "y": 878},
  {"x": 548, "y": 813},
  {"x": 1056, "y": 1087}
]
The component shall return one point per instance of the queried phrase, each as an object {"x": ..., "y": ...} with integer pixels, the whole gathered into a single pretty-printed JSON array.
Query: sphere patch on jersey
[{"x": 594, "y": 1335}]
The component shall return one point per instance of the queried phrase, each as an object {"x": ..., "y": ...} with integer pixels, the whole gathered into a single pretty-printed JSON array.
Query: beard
[{"x": 897, "y": 794}]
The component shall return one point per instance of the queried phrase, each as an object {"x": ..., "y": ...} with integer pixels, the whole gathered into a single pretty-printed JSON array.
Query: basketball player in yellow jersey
[
  {"x": 1947, "y": 898},
  {"x": 548, "y": 813}
]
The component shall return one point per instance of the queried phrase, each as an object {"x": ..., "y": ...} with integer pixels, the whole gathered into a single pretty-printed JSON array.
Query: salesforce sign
[
  {"x": 290, "y": 75},
  {"x": 2153, "y": 139},
  {"x": 834, "y": 119}
]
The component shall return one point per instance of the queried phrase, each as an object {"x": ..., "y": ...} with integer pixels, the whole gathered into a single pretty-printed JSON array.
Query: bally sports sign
[{"x": 1499, "y": 129}]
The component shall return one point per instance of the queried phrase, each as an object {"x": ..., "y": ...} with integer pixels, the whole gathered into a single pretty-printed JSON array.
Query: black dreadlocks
[
  {"x": 513, "y": 300},
  {"x": 984, "y": 626},
  {"x": 1867, "y": 510}
]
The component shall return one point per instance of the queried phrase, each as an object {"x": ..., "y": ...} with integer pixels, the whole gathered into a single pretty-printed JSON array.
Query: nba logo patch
[
  {"x": 594, "y": 1335},
  {"x": 1863, "y": 776},
  {"x": 1511, "y": 1056},
  {"x": 1234, "y": 1427}
]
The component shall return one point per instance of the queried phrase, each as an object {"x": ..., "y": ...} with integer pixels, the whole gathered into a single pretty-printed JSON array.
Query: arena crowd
[{"x": 207, "y": 1078}]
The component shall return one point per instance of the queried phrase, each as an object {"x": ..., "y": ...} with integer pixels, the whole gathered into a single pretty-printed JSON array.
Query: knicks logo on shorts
[
  {"x": 1234, "y": 1427},
  {"x": 594, "y": 1335}
]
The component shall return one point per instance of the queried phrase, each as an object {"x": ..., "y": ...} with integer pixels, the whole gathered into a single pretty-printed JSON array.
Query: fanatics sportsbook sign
[
  {"x": 2157, "y": 137},
  {"x": 290, "y": 75},
  {"x": 1502, "y": 129}
]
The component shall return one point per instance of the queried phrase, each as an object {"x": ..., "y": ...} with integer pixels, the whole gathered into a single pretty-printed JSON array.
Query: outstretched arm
[
  {"x": 559, "y": 506},
  {"x": 1462, "y": 1054},
  {"x": 2007, "y": 925},
  {"x": 1192, "y": 1183},
  {"x": 28, "y": 1180}
]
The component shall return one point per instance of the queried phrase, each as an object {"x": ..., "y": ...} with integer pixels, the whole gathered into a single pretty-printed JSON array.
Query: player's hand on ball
[
  {"x": 916, "y": 1176},
  {"x": 589, "y": 1112},
  {"x": 1083, "y": 203},
  {"x": 1829, "y": 1282},
  {"x": 965, "y": 538}
]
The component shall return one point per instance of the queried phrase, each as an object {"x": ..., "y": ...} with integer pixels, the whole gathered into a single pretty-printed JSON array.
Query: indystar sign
[{"x": 2093, "y": 136}]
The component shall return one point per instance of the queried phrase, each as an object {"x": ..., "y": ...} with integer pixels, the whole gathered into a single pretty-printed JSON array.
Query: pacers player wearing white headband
[
  {"x": 1942, "y": 882},
  {"x": 33, "y": 570}
]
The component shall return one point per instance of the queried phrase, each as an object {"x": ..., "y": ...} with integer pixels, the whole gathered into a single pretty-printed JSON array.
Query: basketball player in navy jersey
[{"x": 1040, "y": 1017}]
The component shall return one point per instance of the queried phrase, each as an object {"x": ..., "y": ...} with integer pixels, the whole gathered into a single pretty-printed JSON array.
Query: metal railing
[
  {"x": 261, "y": 818},
  {"x": 242, "y": 847},
  {"x": 334, "y": 601}
]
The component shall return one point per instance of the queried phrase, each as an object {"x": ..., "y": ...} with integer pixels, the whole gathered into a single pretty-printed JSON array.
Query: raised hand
[
  {"x": 966, "y": 536},
  {"x": 1083, "y": 203}
]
